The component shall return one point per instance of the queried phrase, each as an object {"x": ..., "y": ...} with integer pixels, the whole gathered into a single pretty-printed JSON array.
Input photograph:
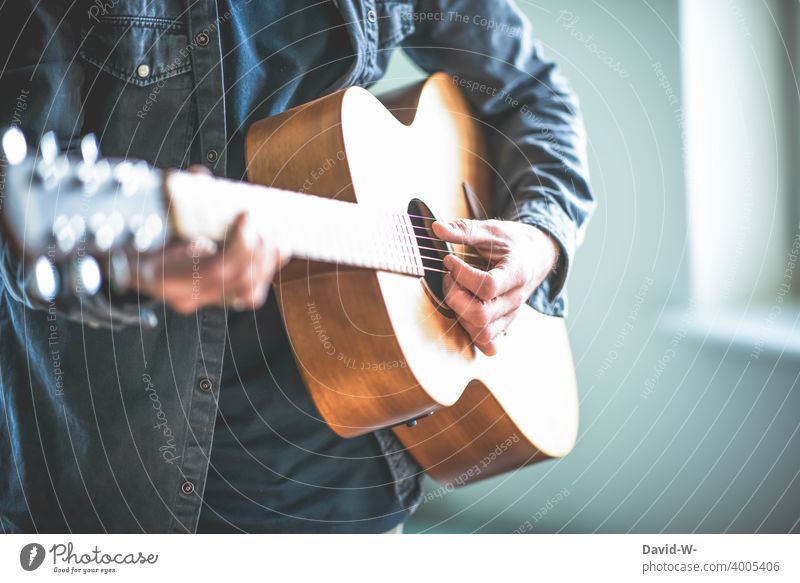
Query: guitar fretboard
[{"x": 308, "y": 227}]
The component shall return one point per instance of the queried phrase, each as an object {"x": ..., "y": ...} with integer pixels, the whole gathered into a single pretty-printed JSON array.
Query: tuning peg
[
  {"x": 91, "y": 172},
  {"x": 148, "y": 232},
  {"x": 81, "y": 276},
  {"x": 88, "y": 277},
  {"x": 53, "y": 168},
  {"x": 148, "y": 318},
  {"x": 49, "y": 147},
  {"x": 44, "y": 284},
  {"x": 89, "y": 149},
  {"x": 68, "y": 231},
  {"x": 120, "y": 272},
  {"x": 14, "y": 146}
]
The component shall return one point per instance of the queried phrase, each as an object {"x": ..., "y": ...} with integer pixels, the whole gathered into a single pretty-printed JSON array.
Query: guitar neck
[{"x": 307, "y": 227}]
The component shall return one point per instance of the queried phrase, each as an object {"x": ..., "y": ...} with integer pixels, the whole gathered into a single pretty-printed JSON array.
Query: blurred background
[{"x": 683, "y": 309}]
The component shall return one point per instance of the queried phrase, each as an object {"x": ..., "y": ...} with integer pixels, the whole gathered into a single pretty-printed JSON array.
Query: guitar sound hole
[{"x": 432, "y": 250}]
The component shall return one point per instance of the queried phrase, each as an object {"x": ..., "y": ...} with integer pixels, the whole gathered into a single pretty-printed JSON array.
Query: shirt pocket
[
  {"x": 138, "y": 50},
  {"x": 138, "y": 88},
  {"x": 395, "y": 21}
]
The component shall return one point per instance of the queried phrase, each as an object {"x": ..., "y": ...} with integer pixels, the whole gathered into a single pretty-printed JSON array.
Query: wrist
[{"x": 546, "y": 252}]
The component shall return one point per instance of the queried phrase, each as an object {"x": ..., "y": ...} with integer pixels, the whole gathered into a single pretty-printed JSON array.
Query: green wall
[{"x": 680, "y": 431}]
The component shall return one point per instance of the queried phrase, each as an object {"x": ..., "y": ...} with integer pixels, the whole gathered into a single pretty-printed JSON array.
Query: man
[{"x": 200, "y": 422}]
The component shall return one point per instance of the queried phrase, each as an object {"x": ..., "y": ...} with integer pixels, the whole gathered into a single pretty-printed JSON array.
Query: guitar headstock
[{"x": 68, "y": 210}]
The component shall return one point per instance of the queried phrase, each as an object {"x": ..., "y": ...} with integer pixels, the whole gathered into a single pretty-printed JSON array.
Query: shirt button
[
  {"x": 143, "y": 71},
  {"x": 372, "y": 16},
  {"x": 201, "y": 39},
  {"x": 205, "y": 384},
  {"x": 212, "y": 155},
  {"x": 187, "y": 488}
]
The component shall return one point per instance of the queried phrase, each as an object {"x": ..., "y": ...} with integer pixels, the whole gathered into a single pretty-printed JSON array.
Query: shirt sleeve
[
  {"x": 40, "y": 91},
  {"x": 534, "y": 130}
]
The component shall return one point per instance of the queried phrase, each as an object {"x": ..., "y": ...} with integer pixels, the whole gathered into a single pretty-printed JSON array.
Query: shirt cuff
[{"x": 550, "y": 218}]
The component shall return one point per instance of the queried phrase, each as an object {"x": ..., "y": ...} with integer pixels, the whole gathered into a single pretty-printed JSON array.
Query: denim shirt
[{"x": 106, "y": 416}]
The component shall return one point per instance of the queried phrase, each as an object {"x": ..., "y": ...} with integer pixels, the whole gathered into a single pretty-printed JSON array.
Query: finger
[
  {"x": 488, "y": 347},
  {"x": 484, "y": 321},
  {"x": 460, "y": 302},
  {"x": 243, "y": 285},
  {"x": 478, "y": 282},
  {"x": 476, "y": 312},
  {"x": 457, "y": 298},
  {"x": 189, "y": 291},
  {"x": 250, "y": 287},
  {"x": 464, "y": 231},
  {"x": 486, "y": 338},
  {"x": 214, "y": 276},
  {"x": 241, "y": 234},
  {"x": 188, "y": 285},
  {"x": 199, "y": 169},
  {"x": 494, "y": 329},
  {"x": 241, "y": 242},
  {"x": 486, "y": 285},
  {"x": 252, "y": 264},
  {"x": 240, "y": 274}
]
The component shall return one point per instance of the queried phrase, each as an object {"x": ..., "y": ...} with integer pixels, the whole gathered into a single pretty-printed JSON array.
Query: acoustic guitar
[{"x": 350, "y": 185}]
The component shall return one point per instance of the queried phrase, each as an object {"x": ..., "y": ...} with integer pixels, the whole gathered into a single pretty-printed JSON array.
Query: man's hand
[
  {"x": 189, "y": 275},
  {"x": 520, "y": 257}
]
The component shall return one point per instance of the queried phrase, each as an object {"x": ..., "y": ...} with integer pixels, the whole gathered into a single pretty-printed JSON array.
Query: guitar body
[
  {"x": 374, "y": 341},
  {"x": 377, "y": 349}
]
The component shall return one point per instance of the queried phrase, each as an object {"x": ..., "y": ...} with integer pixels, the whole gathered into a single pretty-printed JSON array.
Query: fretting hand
[
  {"x": 486, "y": 302},
  {"x": 189, "y": 275}
]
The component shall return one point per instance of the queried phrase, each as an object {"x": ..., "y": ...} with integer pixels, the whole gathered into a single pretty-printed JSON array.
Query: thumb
[{"x": 242, "y": 230}]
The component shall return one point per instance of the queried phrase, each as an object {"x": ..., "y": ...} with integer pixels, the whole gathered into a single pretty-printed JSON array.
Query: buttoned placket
[
  {"x": 203, "y": 22},
  {"x": 370, "y": 26}
]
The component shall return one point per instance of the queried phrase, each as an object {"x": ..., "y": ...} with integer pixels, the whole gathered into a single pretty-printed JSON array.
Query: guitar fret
[
  {"x": 311, "y": 227},
  {"x": 397, "y": 240}
]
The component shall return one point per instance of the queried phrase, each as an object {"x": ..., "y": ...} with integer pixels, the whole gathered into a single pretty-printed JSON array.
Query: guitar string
[
  {"x": 413, "y": 226},
  {"x": 429, "y": 229},
  {"x": 418, "y": 217},
  {"x": 451, "y": 252},
  {"x": 404, "y": 248},
  {"x": 484, "y": 264},
  {"x": 405, "y": 253},
  {"x": 398, "y": 231},
  {"x": 463, "y": 253}
]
